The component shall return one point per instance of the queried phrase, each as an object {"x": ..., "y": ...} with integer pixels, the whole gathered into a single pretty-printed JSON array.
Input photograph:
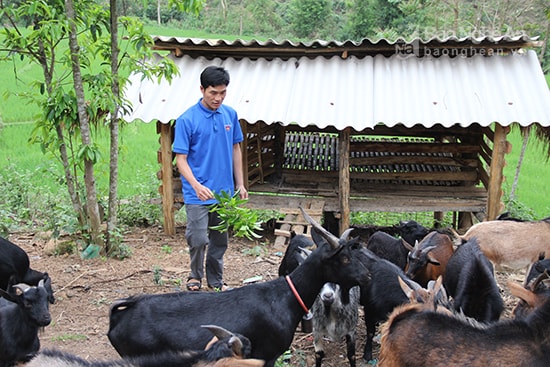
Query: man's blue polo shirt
[{"x": 207, "y": 137}]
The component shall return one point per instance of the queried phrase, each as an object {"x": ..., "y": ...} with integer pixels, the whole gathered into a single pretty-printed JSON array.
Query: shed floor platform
[{"x": 373, "y": 197}]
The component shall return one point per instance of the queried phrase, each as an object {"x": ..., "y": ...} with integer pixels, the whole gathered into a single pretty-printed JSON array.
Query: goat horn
[
  {"x": 331, "y": 239},
  {"x": 346, "y": 234},
  {"x": 22, "y": 287},
  {"x": 218, "y": 331},
  {"x": 41, "y": 283},
  {"x": 541, "y": 278},
  {"x": 427, "y": 249}
]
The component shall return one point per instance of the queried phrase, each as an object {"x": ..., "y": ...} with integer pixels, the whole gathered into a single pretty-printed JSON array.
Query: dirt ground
[{"x": 84, "y": 289}]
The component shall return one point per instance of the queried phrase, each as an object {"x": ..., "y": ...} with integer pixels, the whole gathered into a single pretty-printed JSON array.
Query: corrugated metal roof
[
  {"x": 361, "y": 92},
  {"x": 285, "y": 49}
]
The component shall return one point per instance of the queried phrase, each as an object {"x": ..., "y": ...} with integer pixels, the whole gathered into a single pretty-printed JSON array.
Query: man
[{"x": 209, "y": 159}]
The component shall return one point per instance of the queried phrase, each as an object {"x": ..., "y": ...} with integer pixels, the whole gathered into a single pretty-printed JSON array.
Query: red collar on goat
[{"x": 291, "y": 285}]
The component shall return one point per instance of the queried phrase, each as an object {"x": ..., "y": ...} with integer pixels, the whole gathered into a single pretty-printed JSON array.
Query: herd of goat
[{"x": 432, "y": 294}]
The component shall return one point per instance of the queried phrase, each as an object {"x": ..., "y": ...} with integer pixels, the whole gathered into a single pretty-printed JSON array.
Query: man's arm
[
  {"x": 203, "y": 192},
  {"x": 238, "y": 171}
]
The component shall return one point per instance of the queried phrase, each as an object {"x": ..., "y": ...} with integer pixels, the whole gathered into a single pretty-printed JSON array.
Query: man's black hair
[{"x": 213, "y": 76}]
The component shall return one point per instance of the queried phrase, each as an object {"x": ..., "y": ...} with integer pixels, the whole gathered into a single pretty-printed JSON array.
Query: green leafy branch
[{"x": 244, "y": 221}]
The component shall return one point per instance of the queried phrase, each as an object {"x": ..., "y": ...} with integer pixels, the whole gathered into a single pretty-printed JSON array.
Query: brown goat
[
  {"x": 414, "y": 336},
  {"x": 429, "y": 257},
  {"x": 511, "y": 244}
]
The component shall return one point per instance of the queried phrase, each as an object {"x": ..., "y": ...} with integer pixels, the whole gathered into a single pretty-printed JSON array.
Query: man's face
[{"x": 212, "y": 97}]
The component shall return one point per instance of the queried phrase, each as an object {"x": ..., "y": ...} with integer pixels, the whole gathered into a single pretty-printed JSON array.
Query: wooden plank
[
  {"x": 344, "y": 178},
  {"x": 281, "y": 240},
  {"x": 167, "y": 192}
]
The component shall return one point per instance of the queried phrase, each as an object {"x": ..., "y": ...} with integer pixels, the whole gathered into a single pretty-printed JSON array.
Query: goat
[
  {"x": 428, "y": 259},
  {"x": 267, "y": 313},
  {"x": 412, "y": 231},
  {"x": 537, "y": 283},
  {"x": 380, "y": 293},
  {"x": 511, "y": 244},
  {"x": 535, "y": 269},
  {"x": 390, "y": 248},
  {"x": 296, "y": 252},
  {"x": 20, "y": 319},
  {"x": 470, "y": 281},
  {"x": 414, "y": 336},
  {"x": 227, "y": 349},
  {"x": 334, "y": 319},
  {"x": 333, "y": 314},
  {"x": 14, "y": 263}
]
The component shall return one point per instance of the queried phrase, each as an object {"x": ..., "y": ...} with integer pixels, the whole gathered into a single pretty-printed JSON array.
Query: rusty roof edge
[{"x": 286, "y": 48}]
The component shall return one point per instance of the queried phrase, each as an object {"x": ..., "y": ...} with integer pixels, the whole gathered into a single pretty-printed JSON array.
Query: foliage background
[{"x": 37, "y": 179}]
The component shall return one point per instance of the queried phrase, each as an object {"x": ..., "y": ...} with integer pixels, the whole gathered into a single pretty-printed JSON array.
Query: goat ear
[
  {"x": 12, "y": 297},
  {"x": 329, "y": 237},
  {"x": 406, "y": 289},
  {"x": 522, "y": 293},
  {"x": 407, "y": 245},
  {"x": 236, "y": 345},
  {"x": 433, "y": 260}
]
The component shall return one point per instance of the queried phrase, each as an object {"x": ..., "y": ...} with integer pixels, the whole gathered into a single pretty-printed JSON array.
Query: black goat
[
  {"x": 227, "y": 350},
  {"x": 380, "y": 293},
  {"x": 412, "y": 231},
  {"x": 15, "y": 267},
  {"x": 390, "y": 248},
  {"x": 20, "y": 319},
  {"x": 469, "y": 280},
  {"x": 297, "y": 251},
  {"x": 267, "y": 313}
]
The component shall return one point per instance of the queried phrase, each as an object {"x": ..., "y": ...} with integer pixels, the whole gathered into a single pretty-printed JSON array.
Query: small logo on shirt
[{"x": 227, "y": 127}]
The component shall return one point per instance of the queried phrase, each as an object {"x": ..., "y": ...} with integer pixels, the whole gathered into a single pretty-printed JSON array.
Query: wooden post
[
  {"x": 496, "y": 177},
  {"x": 343, "y": 183},
  {"x": 167, "y": 193},
  {"x": 244, "y": 151}
]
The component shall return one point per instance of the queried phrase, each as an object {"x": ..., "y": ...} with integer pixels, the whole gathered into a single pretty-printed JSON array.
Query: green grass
[
  {"x": 532, "y": 189},
  {"x": 137, "y": 162}
]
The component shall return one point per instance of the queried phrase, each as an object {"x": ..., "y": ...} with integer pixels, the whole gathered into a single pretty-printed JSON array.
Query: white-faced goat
[
  {"x": 414, "y": 336},
  {"x": 15, "y": 268},
  {"x": 267, "y": 313},
  {"x": 511, "y": 244},
  {"x": 22, "y": 314},
  {"x": 469, "y": 280},
  {"x": 226, "y": 350},
  {"x": 334, "y": 315},
  {"x": 428, "y": 259}
]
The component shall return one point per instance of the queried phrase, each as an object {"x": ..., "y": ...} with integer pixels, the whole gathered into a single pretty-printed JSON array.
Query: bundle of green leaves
[{"x": 244, "y": 222}]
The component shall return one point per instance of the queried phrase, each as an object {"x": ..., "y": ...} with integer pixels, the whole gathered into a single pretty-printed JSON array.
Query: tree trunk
[
  {"x": 72, "y": 184},
  {"x": 114, "y": 127},
  {"x": 92, "y": 207},
  {"x": 158, "y": 12}
]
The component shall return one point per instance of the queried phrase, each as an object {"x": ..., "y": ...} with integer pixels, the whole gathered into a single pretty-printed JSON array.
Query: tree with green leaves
[
  {"x": 83, "y": 74},
  {"x": 309, "y": 16}
]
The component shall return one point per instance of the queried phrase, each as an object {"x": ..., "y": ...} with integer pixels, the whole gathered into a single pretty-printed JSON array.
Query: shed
[{"x": 359, "y": 126}]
